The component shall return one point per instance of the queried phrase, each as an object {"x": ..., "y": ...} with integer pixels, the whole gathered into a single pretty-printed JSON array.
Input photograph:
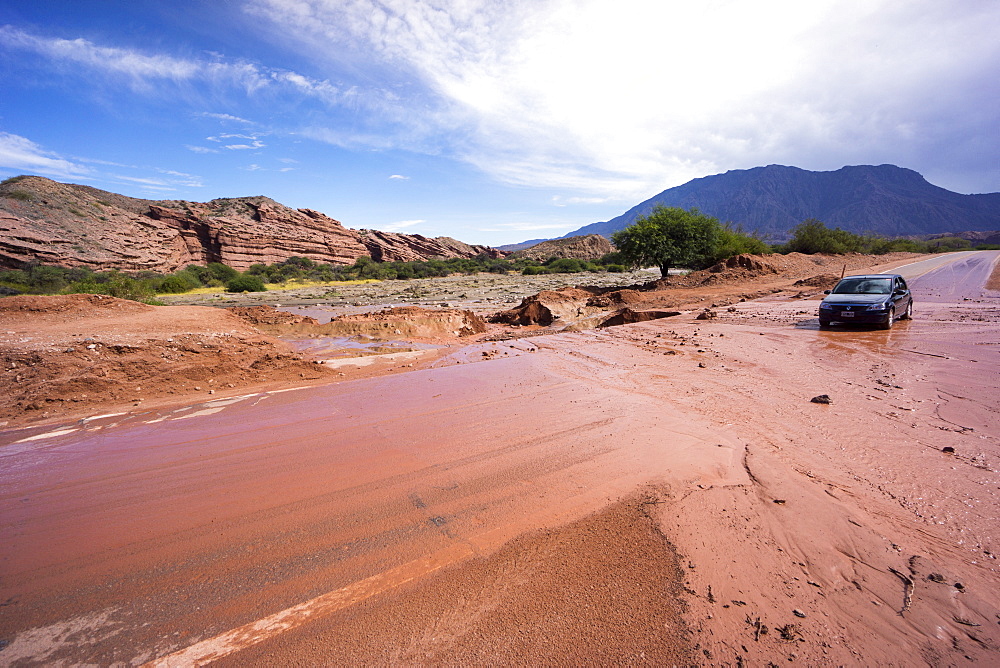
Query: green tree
[{"x": 670, "y": 237}]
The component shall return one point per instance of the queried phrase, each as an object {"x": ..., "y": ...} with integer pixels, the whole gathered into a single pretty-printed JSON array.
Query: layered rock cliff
[
  {"x": 589, "y": 247},
  {"x": 73, "y": 225},
  {"x": 395, "y": 247}
]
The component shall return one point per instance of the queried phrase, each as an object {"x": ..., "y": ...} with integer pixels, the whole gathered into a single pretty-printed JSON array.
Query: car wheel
[
  {"x": 890, "y": 320},
  {"x": 909, "y": 311}
]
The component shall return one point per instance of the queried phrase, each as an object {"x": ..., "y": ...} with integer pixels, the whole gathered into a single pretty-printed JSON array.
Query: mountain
[
  {"x": 522, "y": 245},
  {"x": 78, "y": 226},
  {"x": 589, "y": 247},
  {"x": 884, "y": 199}
]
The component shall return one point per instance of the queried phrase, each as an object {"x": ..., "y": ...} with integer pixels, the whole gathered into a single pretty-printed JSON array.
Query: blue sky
[{"x": 490, "y": 121}]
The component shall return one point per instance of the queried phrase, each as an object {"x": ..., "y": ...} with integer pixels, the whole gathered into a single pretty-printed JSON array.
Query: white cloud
[
  {"x": 399, "y": 177},
  {"x": 200, "y": 149},
  {"x": 225, "y": 117},
  {"x": 140, "y": 69},
  {"x": 624, "y": 99},
  {"x": 559, "y": 200},
  {"x": 20, "y": 153},
  {"x": 242, "y": 147},
  {"x": 401, "y": 225},
  {"x": 144, "y": 181},
  {"x": 149, "y": 72},
  {"x": 254, "y": 140},
  {"x": 183, "y": 179}
]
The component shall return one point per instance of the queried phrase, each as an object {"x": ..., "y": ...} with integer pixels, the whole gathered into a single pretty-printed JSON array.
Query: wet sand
[{"x": 409, "y": 519}]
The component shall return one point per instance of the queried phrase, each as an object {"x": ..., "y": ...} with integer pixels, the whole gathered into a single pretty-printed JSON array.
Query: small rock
[
  {"x": 948, "y": 449},
  {"x": 798, "y": 613},
  {"x": 701, "y": 365},
  {"x": 822, "y": 399}
]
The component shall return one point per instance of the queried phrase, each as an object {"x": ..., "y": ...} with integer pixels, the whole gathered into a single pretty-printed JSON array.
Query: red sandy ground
[{"x": 838, "y": 534}]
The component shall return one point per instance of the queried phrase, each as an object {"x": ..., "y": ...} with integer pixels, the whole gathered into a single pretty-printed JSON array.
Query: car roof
[{"x": 871, "y": 276}]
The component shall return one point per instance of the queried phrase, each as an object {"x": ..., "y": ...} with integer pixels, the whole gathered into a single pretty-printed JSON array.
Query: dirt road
[{"x": 656, "y": 493}]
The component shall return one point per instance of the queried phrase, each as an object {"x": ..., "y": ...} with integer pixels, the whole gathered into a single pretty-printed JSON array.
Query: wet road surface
[
  {"x": 189, "y": 535},
  {"x": 128, "y": 538}
]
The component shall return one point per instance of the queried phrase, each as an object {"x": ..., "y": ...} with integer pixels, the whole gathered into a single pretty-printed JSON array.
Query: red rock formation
[
  {"x": 258, "y": 231},
  {"x": 73, "y": 225},
  {"x": 589, "y": 247},
  {"x": 546, "y": 307},
  {"x": 394, "y": 247}
]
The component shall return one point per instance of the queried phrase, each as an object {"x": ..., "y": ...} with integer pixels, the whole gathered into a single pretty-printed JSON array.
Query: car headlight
[
  {"x": 824, "y": 305},
  {"x": 877, "y": 307}
]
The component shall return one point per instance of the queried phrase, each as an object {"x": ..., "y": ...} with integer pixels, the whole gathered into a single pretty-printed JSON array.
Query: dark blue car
[{"x": 874, "y": 299}]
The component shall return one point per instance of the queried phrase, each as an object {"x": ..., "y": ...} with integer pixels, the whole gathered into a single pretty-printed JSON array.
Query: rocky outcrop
[
  {"x": 589, "y": 247},
  {"x": 395, "y": 247},
  {"x": 79, "y": 226},
  {"x": 546, "y": 307},
  {"x": 627, "y": 316},
  {"x": 407, "y": 322},
  {"x": 256, "y": 230},
  {"x": 755, "y": 263}
]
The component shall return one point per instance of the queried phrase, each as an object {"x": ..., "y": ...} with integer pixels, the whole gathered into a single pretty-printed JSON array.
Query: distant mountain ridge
[{"x": 885, "y": 199}]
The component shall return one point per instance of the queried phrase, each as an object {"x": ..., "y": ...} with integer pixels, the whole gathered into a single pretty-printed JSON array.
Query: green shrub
[
  {"x": 947, "y": 244},
  {"x": 734, "y": 241},
  {"x": 565, "y": 265},
  {"x": 535, "y": 270},
  {"x": 175, "y": 284},
  {"x": 13, "y": 276},
  {"x": 813, "y": 236},
  {"x": 613, "y": 258},
  {"x": 114, "y": 284},
  {"x": 46, "y": 279},
  {"x": 245, "y": 283},
  {"x": 221, "y": 272}
]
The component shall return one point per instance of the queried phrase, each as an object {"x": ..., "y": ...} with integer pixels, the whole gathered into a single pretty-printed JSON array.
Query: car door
[{"x": 900, "y": 295}]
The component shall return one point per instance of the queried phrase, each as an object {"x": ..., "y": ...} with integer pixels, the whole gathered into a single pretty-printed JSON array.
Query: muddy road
[{"x": 654, "y": 493}]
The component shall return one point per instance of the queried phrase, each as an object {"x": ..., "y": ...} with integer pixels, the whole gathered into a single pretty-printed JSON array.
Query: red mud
[{"x": 663, "y": 492}]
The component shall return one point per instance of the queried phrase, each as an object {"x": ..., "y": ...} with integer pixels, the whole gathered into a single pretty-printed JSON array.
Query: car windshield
[{"x": 863, "y": 286}]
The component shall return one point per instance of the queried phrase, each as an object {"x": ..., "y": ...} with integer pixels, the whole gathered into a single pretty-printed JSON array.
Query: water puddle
[{"x": 336, "y": 347}]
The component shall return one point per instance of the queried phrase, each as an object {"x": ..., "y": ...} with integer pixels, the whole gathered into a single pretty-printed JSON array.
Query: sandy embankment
[
  {"x": 77, "y": 355},
  {"x": 837, "y": 534}
]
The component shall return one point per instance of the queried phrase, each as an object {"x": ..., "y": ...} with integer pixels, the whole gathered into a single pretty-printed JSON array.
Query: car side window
[{"x": 901, "y": 284}]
